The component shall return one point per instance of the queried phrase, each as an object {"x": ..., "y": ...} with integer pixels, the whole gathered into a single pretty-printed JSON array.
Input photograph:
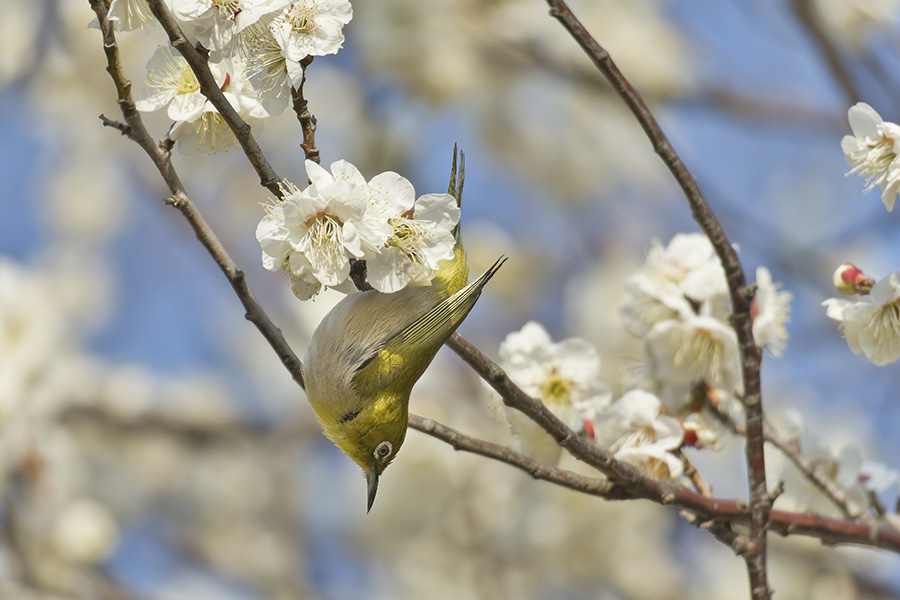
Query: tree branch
[
  {"x": 716, "y": 515},
  {"x": 180, "y": 200},
  {"x": 209, "y": 88},
  {"x": 760, "y": 502}
]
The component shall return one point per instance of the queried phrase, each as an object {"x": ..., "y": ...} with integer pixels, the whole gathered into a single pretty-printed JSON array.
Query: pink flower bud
[
  {"x": 588, "y": 428},
  {"x": 848, "y": 279}
]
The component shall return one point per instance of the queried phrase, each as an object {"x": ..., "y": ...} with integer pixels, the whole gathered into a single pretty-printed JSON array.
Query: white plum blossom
[
  {"x": 421, "y": 233},
  {"x": 172, "y": 84},
  {"x": 208, "y": 129},
  {"x": 678, "y": 281},
  {"x": 565, "y": 376},
  {"x": 128, "y": 15},
  {"x": 770, "y": 311},
  {"x": 681, "y": 354},
  {"x": 871, "y": 324},
  {"x": 872, "y": 151},
  {"x": 310, "y": 28},
  {"x": 276, "y": 44},
  {"x": 313, "y": 233},
  {"x": 636, "y": 432},
  {"x": 208, "y": 22}
]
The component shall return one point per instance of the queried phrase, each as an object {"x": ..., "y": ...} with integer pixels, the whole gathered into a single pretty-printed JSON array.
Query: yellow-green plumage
[{"x": 369, "y": 351}]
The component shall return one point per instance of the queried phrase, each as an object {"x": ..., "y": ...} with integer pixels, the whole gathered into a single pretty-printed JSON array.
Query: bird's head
[{"x": 371, "y": 435}]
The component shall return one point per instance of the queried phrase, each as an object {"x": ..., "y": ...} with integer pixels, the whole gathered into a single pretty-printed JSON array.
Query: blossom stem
[{"x": 306, "y": 118}]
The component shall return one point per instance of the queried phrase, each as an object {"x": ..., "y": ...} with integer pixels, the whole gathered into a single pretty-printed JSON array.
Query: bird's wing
[{"x": 415, "y": 345}]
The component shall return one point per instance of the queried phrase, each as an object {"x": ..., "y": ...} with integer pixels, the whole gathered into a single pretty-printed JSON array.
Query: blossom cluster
[
  {"x": 678, "y": 304},
  {"x": 870, "y": 321},
  {"x": 257, "y": 49},
  {"x": 314, "y": 233},
  {"x": 565, "y": 376}
]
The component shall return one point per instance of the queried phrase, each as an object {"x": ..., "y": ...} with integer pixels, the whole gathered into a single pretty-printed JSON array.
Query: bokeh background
[{"x": 151, "y": 444}]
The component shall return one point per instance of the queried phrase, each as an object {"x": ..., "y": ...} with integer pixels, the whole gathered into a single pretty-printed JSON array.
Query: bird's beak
[{"x": 372, "y": 483}]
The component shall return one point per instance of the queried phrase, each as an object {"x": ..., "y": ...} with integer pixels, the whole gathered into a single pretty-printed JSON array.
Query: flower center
[
  {"x": 556, "y": 389},
  {"x": 214, "y": 133},
  {"x": 408, "y": 237},
  {"x": 185, "y": 82},
  {"x": 232, "y": 6},
  {"x": 885, "y": 326},
  {"x": 872, "y": 162},
  {"x": 263, "y": 57},
  {"x": 323, "y": 242},
  {"x": 701, "y": 352},
  {"x": 302, "y": 16}
]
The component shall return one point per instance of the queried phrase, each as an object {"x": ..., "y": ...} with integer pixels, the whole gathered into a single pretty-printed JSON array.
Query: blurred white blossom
[
  {"x": 681, "y": 354},
  {"x": 855, "y": 23},
  {"x": 770, "y": 311},
  {"x": 843, "y": 469},
  {"x": 676, "y": 282},
  {"x": 84, "y": 532},
  {"x": 872, "y": 151},
  {"x": 564, "y": 375},
  {"x": 871, "y": 324},
  {"x": 636, "y": 432}
]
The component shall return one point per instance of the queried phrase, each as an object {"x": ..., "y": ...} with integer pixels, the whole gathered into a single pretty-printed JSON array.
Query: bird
[{"x": 366, "y": 355}]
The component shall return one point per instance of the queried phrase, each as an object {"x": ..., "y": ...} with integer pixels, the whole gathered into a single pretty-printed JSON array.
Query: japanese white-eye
[{"x": 369, "y": 351}]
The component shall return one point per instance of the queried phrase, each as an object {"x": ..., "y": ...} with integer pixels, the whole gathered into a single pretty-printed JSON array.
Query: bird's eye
[{"x": 383, "y": 450}]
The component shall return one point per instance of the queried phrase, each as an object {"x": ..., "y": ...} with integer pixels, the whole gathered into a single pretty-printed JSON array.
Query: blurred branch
[
  {"x": 806, "y": 14},
  {"x": 760, "y": 501},
  {"x": 180, "y": 200},
  {"x": 199, "y": 64},
  {"x": 834, "y": 492},
  {"x": 307, "y": 119},
  {"x": 718, "y": 516},
  {"x": 767, "y": 110}
]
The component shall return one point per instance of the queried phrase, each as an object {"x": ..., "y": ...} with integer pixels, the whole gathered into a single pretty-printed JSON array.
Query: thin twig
[
  {"x": 208, "y": 87},
  {"x": 760, "y": 502},
  {"x": 306, "y": 118},
  {"x": 691, "y": 472},
  {"x": 834, "y": 492},
  {"x": 180, "y": 200}
]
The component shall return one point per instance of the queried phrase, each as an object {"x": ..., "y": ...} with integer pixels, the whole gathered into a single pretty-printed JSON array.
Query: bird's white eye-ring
[{"x": 383, "y": 450}]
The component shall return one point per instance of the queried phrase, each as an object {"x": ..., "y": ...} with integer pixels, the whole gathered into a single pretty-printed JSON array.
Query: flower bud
[{"x": 848, "y": 279}]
